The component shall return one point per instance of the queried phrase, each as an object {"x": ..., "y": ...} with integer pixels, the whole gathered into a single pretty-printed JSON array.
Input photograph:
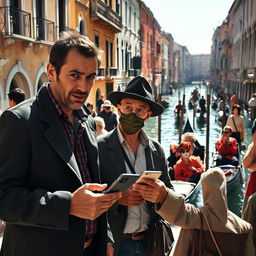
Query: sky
[{"x": 191, "y": 22}]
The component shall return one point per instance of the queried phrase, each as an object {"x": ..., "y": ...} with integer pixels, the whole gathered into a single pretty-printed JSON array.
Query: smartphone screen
[{"x": 123, "y": 182}]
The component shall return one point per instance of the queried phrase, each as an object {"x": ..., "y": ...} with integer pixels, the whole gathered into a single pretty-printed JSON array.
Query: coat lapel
[
  {"x": 115, "y": 155},
  {"x": 55, "y": 133}
]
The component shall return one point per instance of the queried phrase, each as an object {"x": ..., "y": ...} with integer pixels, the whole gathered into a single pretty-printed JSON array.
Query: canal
[{"x": 170, "y": 134}]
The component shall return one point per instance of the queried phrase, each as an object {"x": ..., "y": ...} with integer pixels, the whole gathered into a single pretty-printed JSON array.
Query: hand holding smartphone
[
  {"x": 152, "y": 175},
  {"x": 123, "y": 182}
]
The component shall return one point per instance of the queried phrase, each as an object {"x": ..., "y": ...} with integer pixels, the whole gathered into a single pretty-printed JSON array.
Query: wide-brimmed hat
[
  {"x": 107, "y": 103},
  {"x": 138, "y": 89}
]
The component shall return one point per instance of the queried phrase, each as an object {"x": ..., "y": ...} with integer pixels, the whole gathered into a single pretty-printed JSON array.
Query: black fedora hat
[{"x": 138, "y": 89}]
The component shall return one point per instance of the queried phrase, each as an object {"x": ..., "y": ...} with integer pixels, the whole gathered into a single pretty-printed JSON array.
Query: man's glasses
[
  {"x": 140, "y": 112},
  {"x": 107, "y": 107}
]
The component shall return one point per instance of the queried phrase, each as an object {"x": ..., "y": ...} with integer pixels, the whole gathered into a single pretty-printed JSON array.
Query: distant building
[{"x": 200, "y": 66}]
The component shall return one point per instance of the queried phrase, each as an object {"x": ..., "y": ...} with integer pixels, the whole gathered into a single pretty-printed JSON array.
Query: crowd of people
[{"x": 60, "y": 155}]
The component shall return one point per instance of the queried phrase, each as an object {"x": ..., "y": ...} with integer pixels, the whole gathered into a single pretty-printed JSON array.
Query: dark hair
[
  {"x": 236, "y": 106},
  {"x": 17, "y": 95},
  {"x": 69, "y": 41}
]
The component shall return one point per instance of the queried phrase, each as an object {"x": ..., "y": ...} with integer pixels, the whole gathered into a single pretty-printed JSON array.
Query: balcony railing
[
  {"x": 100, "y": 11},
  {"x": 131, "y": 72},
  {"x": 101, "y": 72},
  {"x": 64, "y": 28},
  {"x": 113, "y": 71},
  {"x": 14, "y": 21},
  {"x": 45, "y": 29}
]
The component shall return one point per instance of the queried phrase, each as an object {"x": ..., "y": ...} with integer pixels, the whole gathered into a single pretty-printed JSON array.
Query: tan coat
[
  {"x": 185, "y": 215},
  {"x": 239, "y": 121}
]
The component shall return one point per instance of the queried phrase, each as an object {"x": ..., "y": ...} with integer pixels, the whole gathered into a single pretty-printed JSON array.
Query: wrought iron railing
[
  {"x": 101, "y": 72},
  {"x": 45, "y": 29},
  {"x": 14, "y": 21},
  {"x": 131, "y": 72},
  {"x": 113, "y": 71},
  {"x": 101, "y": 8}
]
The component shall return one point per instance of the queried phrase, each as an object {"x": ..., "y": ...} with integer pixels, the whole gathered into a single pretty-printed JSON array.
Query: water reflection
[{"x": 170, "y": 134}]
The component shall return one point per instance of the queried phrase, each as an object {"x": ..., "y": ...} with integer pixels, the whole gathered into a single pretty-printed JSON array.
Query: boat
[
  {"x": 188, "y": 189},
  {"x": 233, "y": 174}
]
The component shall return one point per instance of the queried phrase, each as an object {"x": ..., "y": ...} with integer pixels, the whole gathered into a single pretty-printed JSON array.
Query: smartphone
[
  {"x": 152, "y": 175},
  {"x": 124, "y": 181}
]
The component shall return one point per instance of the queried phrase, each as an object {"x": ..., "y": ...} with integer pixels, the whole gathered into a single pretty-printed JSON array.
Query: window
[{"x": 97, "y": 40}]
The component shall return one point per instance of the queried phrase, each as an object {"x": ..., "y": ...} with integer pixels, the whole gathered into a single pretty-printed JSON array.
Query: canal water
[{"x": 170, "y": 135}]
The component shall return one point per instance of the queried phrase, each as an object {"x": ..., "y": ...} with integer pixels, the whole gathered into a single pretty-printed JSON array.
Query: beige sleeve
[{"x": 179, "y": 213}]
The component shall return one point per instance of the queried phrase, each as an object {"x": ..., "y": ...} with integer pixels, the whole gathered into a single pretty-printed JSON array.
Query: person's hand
[
  {"x": 153, "y": 191},
  {"x": 89, "y": 205},
  {"x": 130, "y": 198},
  {"x": 110, "y": 249}
]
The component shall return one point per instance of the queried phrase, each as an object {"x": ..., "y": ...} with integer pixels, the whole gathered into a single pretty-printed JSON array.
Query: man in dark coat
[
  {"x": 49, "y": 163},
  {"x": 128, "y": 149},
  {"x": 108, "y": 116}
]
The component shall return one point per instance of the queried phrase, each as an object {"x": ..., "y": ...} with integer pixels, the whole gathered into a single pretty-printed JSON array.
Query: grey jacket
[{"x": 112, "y": 164}]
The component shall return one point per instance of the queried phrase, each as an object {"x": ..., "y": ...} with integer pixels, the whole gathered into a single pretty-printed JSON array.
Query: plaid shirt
[{"x": 75, "y": 137}]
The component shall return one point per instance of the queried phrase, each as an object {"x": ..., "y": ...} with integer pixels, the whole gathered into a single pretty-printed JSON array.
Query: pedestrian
[
  {"x": 250, "y": 164},
  {"x": 226, "y": 148},
  {"x": 90, "y": 107},
  {"x": 236, "y": 122},
  {"x": 15, "y": 96},
  {"x": 108, "y": 115},
  {"x": 128, "y": 149},
  {"x": 49, "y": 173},
  {"x": 213, "y": 222},
  {"x": 234, "y": 100},
  {"x": 202, "y": 103},
  {"x": 99, "y": 102},
  {"x": 100, "y": 126},
  {"x": 252, "y": 106}
]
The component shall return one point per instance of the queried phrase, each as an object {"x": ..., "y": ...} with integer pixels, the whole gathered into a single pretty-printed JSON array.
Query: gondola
[
  {"x": 189, "y": 189},
  {"x": 233, "y": 174}
]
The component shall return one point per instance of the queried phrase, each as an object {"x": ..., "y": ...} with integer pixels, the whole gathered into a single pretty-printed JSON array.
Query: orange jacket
[
  {"x": 182, "y": 171},
  {"x": 227, "y": 150}
]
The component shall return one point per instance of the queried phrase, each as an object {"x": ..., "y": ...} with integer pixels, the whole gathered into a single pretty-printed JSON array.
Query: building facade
[
  {"x": 200, "y": 67},
  {"x": 233, "y": 60}
]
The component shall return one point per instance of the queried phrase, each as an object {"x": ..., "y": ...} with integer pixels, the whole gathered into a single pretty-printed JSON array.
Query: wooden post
[
  {"x": 159, "y": 118},
  {"x": 181, "y": 117},
  {"x": 207, "y": 132}
]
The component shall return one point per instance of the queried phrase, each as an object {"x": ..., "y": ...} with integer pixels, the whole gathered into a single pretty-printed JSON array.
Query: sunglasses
[
  {"x": 226, "y": 132},
  {"x": 186, "y": 151},
  {"x": 107, "y": 107}
]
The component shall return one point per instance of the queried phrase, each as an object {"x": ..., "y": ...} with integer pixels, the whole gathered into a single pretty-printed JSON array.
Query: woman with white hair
[{"x": 100, "y": 126}]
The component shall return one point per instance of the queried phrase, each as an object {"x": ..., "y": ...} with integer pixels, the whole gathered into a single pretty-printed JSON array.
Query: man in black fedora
[{"x": 128, "y": 149}]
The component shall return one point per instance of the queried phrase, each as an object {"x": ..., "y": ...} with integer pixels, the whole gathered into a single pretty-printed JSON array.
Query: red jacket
[
  {"x": 228, "y": 150},
  {"x": 182, "y": 171}
]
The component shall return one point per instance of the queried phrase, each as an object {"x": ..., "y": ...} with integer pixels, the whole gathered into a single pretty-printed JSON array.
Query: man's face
[
  {"x": 140, "y": 108},
  {"x": 72, "y": 87}
]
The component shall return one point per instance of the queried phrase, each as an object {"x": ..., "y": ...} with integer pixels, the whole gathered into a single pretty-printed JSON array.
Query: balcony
[
  {"x": 64, "y": 28},
  {"x": 113, "y": 71},
  {"x": 45, "y": 29},
  {"x": 101, "y": 72},
  {"x": 14, "y": 22},
  {"x": 104, "y": 15},
  {"x": 131, "y": 72}
]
